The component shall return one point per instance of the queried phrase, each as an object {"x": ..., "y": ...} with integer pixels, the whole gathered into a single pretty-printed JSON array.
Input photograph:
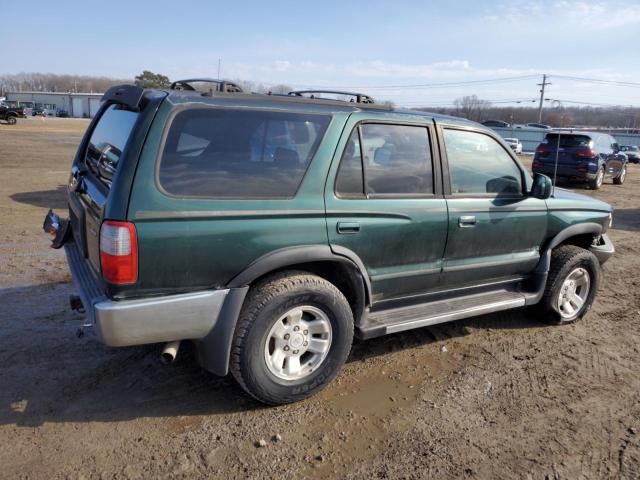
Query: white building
[{"x": 80, "y": 105}]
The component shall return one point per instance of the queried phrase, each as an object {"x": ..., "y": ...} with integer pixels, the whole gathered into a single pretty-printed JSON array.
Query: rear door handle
[
  {"x": 348, "y": 227},
  {"x": 467, "y": 221}
]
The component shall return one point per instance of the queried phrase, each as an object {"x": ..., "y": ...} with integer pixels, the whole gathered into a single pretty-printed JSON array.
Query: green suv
[{"x": 272, "y": 229}]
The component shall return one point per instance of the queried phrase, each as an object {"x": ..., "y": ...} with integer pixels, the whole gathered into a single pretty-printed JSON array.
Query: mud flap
[{"x": 56, "y": 227}]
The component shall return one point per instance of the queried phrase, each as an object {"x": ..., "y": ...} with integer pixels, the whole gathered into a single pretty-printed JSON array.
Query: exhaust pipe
[{"x": 170, "y": 352}]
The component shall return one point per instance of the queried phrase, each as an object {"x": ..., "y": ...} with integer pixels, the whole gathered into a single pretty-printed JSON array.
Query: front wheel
[
  {"x": 12, "y": 120},
  {"x": 293, "y": 337},
  {"x": 619, "y": 180},
  {"x": 571, "y": 285},
  {"x": 596, "y": 183}
]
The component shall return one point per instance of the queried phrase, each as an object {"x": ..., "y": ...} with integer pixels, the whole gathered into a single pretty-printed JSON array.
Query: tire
[
  {"x": 569, "y": 263},
  {"x": 596, "y": 183},
  {"x": 12, "y": 120},
  {"x": 269, "y": 314},
  {"x": 619, "y": 180}
]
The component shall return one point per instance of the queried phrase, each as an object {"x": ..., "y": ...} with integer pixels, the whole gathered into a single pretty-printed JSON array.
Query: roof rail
[
  {"x": 356, "y": 97},
  {"x": 221, "y": 86}
]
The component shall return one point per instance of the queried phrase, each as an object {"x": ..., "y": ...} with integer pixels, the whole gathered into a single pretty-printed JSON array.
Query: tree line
[
  {"x": 469, "y": 106},
  {"x": 556, "y": 115}
]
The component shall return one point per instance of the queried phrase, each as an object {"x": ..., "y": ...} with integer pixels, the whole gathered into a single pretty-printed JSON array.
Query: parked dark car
[
  {"x": 539, "y": 125},
  {"x": 495, "y": 123},
  {"x": 271, "y": 229},
  {"x": 581, "y": 156},
  {"x": 38, "y": 112},
  {"x": 11, "y": 114},
  {"x": 632, "y": 152},
  {"x": 62, "y": 113}
]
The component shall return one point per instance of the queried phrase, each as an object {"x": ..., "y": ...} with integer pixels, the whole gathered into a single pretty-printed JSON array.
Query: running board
[{"x": 425, "y": 314}]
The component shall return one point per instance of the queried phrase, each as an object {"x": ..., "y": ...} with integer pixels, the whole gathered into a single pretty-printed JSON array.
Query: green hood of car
[{"x": 567, "y": 199}]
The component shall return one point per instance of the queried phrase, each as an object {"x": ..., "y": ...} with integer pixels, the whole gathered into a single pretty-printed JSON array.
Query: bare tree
[{"x": 471, "y": 107}]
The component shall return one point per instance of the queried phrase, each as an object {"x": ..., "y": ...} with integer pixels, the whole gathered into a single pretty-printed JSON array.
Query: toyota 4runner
[{"x": 271, "y": 229}]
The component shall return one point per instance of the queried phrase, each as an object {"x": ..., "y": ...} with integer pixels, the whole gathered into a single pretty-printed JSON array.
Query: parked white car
[{"x": 515, "y": 144}]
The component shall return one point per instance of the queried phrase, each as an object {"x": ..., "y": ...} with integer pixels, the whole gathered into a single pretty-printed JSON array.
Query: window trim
[
  {"x": 182, "y": 108},
  {"x": 435, "y": 173},
  {"x": 447, "y": 174}
]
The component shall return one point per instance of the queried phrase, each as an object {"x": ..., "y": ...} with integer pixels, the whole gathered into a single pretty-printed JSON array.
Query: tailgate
[{"x": 93, "y": 176}]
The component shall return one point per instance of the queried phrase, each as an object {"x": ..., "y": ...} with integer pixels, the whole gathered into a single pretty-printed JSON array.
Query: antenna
[{"x": 555, "y": 167}]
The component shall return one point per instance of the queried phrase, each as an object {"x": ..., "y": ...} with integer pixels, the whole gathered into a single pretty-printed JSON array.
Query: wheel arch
[
  {"x": 580, "y": 235},
  {"x": 342, "y": 268}
]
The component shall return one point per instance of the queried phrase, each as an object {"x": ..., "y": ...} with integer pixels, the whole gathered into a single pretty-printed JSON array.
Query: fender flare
[
  {"x": 579, "y": 229},
  {"x": 289, "y": 256}
]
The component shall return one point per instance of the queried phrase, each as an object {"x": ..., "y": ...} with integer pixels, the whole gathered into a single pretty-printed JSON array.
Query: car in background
[
  {"x": 539, "y": 125},
  {"x": 515, "y": 144},
  {"x": 581, "y": 156},
  {"x": 38, "y": 112},
  {"x": 62, "y": 114},
  {"x": 632, "y": 152},
  {"x": 11, "y": 114},
  {"x": 495, "y": 123}
]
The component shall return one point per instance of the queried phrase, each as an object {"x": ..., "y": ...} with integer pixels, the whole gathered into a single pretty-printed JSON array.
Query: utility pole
[
  {"x": 543, "y": 84},
  {"x": 218, "y": 68}
]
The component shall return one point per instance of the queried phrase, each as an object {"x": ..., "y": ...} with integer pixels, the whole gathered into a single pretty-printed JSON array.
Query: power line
[
  {"x": 599, "y": 81},
  {"x": 437, "y": 85}
]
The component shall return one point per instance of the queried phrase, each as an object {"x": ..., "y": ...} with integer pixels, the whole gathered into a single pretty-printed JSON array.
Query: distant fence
[{"x": 532, "y": 137}]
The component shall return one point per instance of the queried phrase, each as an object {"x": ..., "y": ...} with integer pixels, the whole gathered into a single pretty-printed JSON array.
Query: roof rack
[
  {"x": 223, "y": 86},
  {"x": 356, "y": 97}
]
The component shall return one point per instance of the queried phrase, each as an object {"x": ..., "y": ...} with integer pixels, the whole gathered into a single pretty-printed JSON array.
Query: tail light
[
  {"x": 119, "y": 252},
  {"x": 540, "y": 149},
  {"x": 583, "y": 169},
  {"x": 585, "y": 153}
]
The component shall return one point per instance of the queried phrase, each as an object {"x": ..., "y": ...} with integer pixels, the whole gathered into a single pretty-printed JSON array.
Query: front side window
[
  {"x": 396, "y": 160},
  {"x": 479, "y": 165},
  {"x": 220, "y": 153}
]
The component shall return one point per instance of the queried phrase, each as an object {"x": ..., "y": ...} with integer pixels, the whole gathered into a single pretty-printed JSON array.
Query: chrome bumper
[{"x": 123, "y": 323}]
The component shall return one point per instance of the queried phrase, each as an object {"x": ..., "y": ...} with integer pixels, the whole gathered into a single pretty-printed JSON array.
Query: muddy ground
[{"x": 499, "y": 396}]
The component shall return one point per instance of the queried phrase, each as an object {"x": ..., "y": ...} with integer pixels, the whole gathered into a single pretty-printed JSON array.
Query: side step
[{"x": 425, "y": 314}]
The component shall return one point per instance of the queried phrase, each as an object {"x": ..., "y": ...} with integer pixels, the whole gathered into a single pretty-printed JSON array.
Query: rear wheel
[
  {"x": 596, "y": 183},
  {"x": 293, "y": 337},
  {"x": 12, "y": 120},
  {"x": 619, "y": 180},
  {"x": 571, "y": 285}
]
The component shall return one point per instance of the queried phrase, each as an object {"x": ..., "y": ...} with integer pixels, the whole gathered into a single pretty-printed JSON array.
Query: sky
[{"x": 411, "y": 52}]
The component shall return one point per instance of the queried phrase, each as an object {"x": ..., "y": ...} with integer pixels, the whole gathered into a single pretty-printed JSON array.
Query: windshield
[
  {"x": 108, "y": 140},
  {"x": 568, "y": 140}
]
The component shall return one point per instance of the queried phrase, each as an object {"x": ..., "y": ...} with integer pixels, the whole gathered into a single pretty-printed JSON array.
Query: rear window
[
  {"x": 568, "y": 140},
  {"x": 108, "y": 140},
  {"x": 221, "y": 153}
]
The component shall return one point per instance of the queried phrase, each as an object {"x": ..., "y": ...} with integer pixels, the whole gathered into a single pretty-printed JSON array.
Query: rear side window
[
  {"x": 221, "y": 153},
  {"x": 108, "y": 140},
  {"x": 396, "y": 161}
]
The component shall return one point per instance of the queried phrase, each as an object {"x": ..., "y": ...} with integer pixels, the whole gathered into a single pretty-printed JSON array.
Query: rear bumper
[
  {"x": 604, "y": 249},
  {"x": 563, "y": 172},
  {"x": 189, "y": 316}
]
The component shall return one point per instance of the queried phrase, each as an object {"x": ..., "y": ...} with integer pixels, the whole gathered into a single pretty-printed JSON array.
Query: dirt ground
[{"x": 499, "y": 396}]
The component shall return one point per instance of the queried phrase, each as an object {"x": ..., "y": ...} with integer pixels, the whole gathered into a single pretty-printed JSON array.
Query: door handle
[
  {"x": 467, "y": 221},
  {"x": 348, "y": 227}
]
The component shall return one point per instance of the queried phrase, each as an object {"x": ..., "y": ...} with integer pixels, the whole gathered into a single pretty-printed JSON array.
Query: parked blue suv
[{"x": 582, "y": 156}]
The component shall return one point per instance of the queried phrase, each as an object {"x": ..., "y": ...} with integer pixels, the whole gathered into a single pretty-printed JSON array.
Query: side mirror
[{"x": 541, "y": 186}]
